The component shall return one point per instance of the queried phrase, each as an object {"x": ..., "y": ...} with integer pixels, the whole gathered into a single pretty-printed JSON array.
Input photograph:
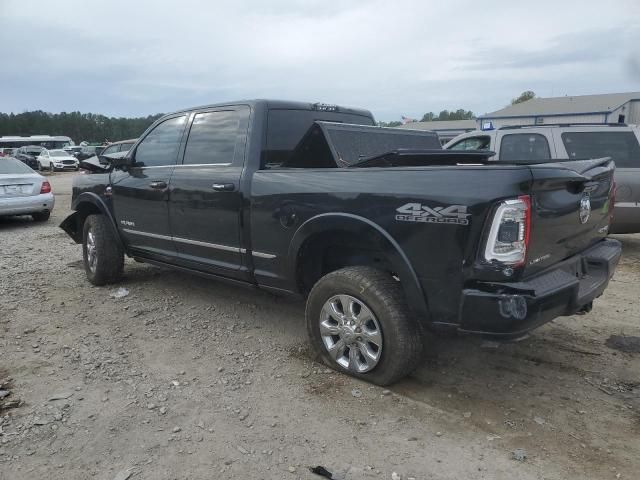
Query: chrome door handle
[
  {"x": 223, "y": 187},
  {"x": 159, "y": 185}
]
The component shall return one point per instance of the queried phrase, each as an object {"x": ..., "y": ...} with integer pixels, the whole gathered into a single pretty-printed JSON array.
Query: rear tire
[
  {"x": 41, "y": 216},
  {"x": 102, "y": 254},
  {"x": 387, "y": 346}
]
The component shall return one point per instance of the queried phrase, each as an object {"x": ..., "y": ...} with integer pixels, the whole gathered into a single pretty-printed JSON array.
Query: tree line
[
  {"x": 96, "y": 128},
  {"x": 90, "y": 127}
]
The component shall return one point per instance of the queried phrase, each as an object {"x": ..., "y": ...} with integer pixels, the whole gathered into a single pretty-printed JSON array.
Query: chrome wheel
[
  {"x": 351, "y": 333},
  {"x": 92, "y": 254}
]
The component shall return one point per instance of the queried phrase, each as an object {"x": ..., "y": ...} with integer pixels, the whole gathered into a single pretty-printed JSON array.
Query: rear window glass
[
  {"x": 524, "y": 147},
  {"x": 285, "y": 129},
  {"x": 622, "y": 147},
  {"x": 11, "y": 165}
]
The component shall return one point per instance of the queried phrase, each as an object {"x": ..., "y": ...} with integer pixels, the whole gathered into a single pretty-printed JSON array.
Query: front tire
[
  {"x": 359, "y": 323},
  {"x": 101, "y": 252}
]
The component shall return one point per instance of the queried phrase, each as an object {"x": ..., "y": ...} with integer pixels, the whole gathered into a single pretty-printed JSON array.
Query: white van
[{"x": 571, "y": 142}]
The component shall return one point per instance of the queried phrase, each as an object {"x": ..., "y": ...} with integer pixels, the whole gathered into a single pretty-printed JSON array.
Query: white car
[
  {"x": 23, "y": 191},
  {"x": 57, "y": 160}
]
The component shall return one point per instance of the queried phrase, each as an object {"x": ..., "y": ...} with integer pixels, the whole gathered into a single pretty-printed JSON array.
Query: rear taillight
[
  {"x": 46, "y": 187},
  {"x": 509, "y": 235}
]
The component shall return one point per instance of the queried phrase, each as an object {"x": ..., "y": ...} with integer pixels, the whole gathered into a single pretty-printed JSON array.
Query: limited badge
[{"x": 585, "y": 208}]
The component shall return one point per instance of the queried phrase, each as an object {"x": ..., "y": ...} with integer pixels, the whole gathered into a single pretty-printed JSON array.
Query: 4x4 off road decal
[{"x": 416, "y": 212}]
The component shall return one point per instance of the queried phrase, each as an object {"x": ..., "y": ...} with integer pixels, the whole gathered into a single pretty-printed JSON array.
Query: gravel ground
[{"x": 186, "y": 378}]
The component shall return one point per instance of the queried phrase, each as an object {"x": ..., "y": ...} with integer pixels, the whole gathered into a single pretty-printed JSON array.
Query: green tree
[
  {"x": 460, "y": 114},
  {"x": 524, "y": 96},
  {"x": 78, "y": 126}
]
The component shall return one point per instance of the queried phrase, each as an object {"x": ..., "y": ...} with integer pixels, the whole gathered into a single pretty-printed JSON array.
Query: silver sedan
[{"x": 23, "y": 191}]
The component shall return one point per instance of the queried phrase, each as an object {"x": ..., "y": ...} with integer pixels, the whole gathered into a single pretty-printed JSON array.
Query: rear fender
[
  {"x": 371, "y": 231},
  {"x": 86, "y": 204}
]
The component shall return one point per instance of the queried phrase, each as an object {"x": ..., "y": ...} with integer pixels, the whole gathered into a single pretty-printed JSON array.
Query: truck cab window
[
  {"x": 285, "y": 129},
  {"x": 160, "y": 146},
  {"x": 524, "y": 147},
  {"x": 212, "y": 138}
]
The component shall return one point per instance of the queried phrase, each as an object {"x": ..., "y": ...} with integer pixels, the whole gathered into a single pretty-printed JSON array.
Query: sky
[{"x": 136, "y": 58}]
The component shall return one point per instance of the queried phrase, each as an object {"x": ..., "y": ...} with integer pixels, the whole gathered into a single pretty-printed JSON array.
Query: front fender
[
  {"x": 371, "y": 231},
  {"x": 85, "y": 204}
]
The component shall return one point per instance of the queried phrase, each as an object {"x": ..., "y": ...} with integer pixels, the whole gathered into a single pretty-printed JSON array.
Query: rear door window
[
  {"x": 524, "y": 147},
  {"x": 213, "y": 138},
  {"x": 622, "y": 147}
]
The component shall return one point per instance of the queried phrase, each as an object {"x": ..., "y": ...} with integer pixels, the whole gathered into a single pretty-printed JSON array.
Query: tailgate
[{"x": 571, "y": 209}]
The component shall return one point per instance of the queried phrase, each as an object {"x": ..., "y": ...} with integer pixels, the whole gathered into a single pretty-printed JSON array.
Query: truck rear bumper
[{"x": 512, "y": 309}]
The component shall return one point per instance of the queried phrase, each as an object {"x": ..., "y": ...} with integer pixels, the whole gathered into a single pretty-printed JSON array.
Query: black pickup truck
[{"x": 385, "y": 234}]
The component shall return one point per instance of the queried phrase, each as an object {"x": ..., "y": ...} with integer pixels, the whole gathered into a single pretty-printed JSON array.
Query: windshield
[
  {"x": 13, "y": 166},
  {"x": 58, "y": 153}
]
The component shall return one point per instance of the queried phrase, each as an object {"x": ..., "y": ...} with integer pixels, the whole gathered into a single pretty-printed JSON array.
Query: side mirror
[{"x": 121, "y": 162}]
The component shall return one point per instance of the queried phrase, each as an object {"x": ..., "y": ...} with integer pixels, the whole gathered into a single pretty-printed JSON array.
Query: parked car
[
  {"x": 73, "y": 150},
  {"x": 7, "y": 152},
  {"x": 89, "y": 151},
  {"x": 55, "y": 160},
  {"x": 385, "y": 234},
  {"x": 547, "y": 143},
  {"x": 29, "y": 155},
  {"x": 121, "y": 146},
  {"x": 100, "y": 161},
  {"x": 23, "y": 191}
]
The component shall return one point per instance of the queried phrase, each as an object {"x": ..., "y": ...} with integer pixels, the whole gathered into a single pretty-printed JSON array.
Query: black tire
[
  {"x": 402, "y": 338},
  {"x": 40, "y": 167},
  {"x": 41, "y": 216},
  {"x": 109, "y": 256}
]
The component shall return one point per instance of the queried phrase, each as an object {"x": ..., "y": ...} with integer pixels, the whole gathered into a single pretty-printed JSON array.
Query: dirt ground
[{"x": 187, "y": 378}]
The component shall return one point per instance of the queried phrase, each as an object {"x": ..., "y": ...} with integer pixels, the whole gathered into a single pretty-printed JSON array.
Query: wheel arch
[
  {"x": 318, "y": 227},
  {"x": 86, "y": 204}
]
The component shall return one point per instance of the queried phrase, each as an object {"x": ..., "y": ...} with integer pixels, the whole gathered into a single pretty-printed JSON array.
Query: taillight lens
[
  {"x": 46, "y": 187},
  {"x": 509, "y": 235}
]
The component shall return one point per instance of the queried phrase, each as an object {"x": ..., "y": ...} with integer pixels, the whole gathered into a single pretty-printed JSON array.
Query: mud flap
[{"x": 70, "y": 226}]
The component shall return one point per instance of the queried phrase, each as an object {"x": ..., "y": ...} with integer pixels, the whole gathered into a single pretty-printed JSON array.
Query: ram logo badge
[
  {"x": 585, "y": 208},
  {"x": 416, "y": 212}
]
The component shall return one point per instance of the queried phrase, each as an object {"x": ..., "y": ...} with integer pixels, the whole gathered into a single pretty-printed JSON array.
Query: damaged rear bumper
[{"x": 512, "y": 309}]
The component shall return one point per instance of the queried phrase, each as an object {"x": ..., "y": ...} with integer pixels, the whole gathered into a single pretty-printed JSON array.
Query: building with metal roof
[
  {"x": 603, "y": 108},
  {"x": 446, "y": 129}
]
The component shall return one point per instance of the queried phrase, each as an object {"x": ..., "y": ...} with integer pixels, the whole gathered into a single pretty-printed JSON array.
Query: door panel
[
  {"x": 141, "y": 192},
  {"x": 205, "y": 200}
]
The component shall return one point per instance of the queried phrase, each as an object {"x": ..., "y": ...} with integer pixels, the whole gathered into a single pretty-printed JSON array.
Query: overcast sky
[{"x": 130, "y": 58}]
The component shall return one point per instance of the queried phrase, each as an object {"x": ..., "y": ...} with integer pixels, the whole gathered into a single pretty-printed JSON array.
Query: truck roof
[{"x": 285, "y": 104}]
